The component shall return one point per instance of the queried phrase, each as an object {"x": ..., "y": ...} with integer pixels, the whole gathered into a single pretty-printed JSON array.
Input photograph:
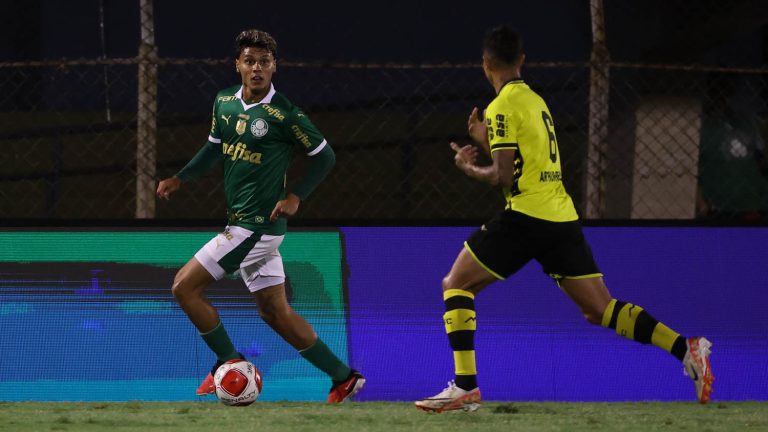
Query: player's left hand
[
  {"x": 465, "y": 156},
  {"x": 286, "y": 207}
]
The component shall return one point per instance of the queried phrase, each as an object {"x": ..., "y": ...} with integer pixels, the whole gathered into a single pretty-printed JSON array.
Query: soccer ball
[{"x": 238, "y": 383}]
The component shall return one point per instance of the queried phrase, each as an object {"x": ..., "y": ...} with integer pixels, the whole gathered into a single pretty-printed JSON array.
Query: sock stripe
[
  {"x": 462, "y": 340},
  {"x": 625, "y": 324},
  {"x": 608, "y": 314},
  {"x": 615, "y": 315},
  {"x": 459, "y": 319},
  {"x": 644, "y": 327},
  {"x": 664, "y": 337},
  {"x": 465, "y": 362},
  {"x": 459, "y": 302},
  {"x": 679, "y": 347},
  {"x": 457, "y": 292}
]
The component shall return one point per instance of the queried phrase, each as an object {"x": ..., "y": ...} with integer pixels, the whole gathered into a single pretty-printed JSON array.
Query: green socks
[
  {"x": 324, "y": 359},
  {"x": 218, "y": 341},
  {"x": 318, "y": 354}
]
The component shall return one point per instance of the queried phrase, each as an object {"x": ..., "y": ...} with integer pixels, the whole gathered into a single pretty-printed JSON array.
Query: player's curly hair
[
  {"x": 253, "y": 38},
  {"x": 504, "y": 44}
]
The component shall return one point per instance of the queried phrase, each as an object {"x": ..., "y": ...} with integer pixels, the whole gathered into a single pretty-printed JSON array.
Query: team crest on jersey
[
  {"x": 259, "y": 127},
  {"x": 240, "y": 126}
]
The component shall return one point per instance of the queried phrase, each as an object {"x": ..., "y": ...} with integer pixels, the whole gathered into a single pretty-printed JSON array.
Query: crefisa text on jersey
[{"x": 238, "y": 151}]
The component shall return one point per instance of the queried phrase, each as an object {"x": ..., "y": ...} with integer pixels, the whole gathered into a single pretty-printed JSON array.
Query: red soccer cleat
[
  {"x": 347, "y": 388},
  {"x": 207, "y": 387}
]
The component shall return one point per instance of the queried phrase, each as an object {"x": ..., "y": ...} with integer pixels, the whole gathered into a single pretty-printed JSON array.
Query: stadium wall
[{"x": 88, "y": 315}]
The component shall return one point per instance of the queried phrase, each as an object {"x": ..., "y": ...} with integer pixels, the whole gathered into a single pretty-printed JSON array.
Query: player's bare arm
[
  {"x": 500, "y": 172},
  {"x": 286, "y": 207},
  {"x": 477, "y": 129},
  {"x": 168, "y": 186}
]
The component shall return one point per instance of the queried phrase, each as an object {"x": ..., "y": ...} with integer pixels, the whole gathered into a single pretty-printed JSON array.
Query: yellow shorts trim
[
  {"x": 587, "y": 276},
  {"x": 493, "y": 273}
]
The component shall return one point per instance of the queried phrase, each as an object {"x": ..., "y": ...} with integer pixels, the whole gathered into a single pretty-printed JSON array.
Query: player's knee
[
  {"x": 593, "y": 315},
  {"x": 272, "y": 313},
  {"x": 181, "y": 288},
  {"x": 447, "y": 283}
]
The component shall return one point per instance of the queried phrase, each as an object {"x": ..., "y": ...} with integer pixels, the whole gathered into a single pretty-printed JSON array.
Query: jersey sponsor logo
[
  {"x": 213, "y": 124},
  {"x": 274, "y": 112},
  {"x": 238, "y": 151},
  {"x": 240, "y": 126},
  {"x": 550, "y": 176},
  {"x": 259, "y": 219},
  {"x": 227, "y": 98},
  {"x": 301, "y": 136},
  {"x": 501, "y": 126},
  {"x": 225, "y": 118},
  {"x": 259, "y": 127}
]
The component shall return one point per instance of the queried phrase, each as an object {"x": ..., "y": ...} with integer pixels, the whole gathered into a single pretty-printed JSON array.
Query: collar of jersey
[
  {"x": 267, "y": 98},
  {"x": 512, "y": 81}
]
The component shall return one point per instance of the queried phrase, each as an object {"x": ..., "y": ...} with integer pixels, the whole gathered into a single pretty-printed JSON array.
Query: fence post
[
  {"x": 146, "y": 127},
  {"x": 599, "y": 90}
]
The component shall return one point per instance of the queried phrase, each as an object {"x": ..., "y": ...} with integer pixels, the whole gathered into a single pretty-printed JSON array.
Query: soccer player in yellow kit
[{"x": 538, "y": 222}]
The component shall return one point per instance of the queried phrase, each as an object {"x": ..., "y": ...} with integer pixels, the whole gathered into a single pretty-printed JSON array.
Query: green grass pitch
[{"x": 382, "y": 416}]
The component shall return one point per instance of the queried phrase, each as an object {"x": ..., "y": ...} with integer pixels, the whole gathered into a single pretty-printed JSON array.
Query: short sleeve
[
  {"x": 502, "y": 128},
  {"x": 305, "y": 134}
]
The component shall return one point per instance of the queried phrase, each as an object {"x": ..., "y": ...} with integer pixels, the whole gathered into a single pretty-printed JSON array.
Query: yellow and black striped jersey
[{"x": 518, "y": 119}]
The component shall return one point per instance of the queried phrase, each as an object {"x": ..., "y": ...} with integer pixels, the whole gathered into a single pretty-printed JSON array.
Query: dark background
[
  {"x": 430, "y": 31},
  {"x": 390, "y": 85}
]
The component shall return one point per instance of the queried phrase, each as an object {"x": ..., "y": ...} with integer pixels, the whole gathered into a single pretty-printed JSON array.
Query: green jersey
[{"x": 257, "y": 142}]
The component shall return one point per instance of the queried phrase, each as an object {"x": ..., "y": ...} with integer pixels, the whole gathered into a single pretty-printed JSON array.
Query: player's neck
[
  {"x": 252, "y": 98},
  {"x": 502, "y": 77}
]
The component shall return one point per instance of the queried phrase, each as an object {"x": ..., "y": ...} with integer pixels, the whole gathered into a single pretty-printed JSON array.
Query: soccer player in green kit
[
  {"x": 538, "y": 222},
  {"x": 254, "y": 132}
]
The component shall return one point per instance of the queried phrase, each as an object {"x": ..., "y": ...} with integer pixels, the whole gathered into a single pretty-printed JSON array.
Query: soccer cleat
[
  {"x": 451, "y": 398},
  {"x": 208, "y": 386},
  {"x": 696, "y": 366},
  {"x": 341, "y": 391}
]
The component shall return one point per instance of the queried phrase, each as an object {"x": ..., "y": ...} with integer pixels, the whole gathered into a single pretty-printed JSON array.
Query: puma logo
[{"x": 226, "y": 118}]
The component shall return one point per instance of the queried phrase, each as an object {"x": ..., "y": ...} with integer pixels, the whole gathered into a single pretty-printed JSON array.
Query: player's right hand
[{"x": 168, "y": 186}]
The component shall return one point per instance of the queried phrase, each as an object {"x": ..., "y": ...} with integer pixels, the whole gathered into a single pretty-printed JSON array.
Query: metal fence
[{"x": 90, "y": 138}]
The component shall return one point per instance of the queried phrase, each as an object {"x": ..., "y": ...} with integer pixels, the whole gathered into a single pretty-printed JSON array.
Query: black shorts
[{"x": 508, "y": 241}]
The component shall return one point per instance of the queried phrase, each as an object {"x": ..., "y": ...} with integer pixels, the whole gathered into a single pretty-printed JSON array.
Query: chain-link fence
[{"x": 90, "y": 138}]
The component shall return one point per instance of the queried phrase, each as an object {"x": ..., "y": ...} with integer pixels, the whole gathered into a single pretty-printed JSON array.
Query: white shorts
[{"x": 237, "y": 248}]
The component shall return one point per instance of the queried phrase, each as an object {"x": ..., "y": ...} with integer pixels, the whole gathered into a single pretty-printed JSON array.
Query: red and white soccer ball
[{"x": 238, "y": 383}]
